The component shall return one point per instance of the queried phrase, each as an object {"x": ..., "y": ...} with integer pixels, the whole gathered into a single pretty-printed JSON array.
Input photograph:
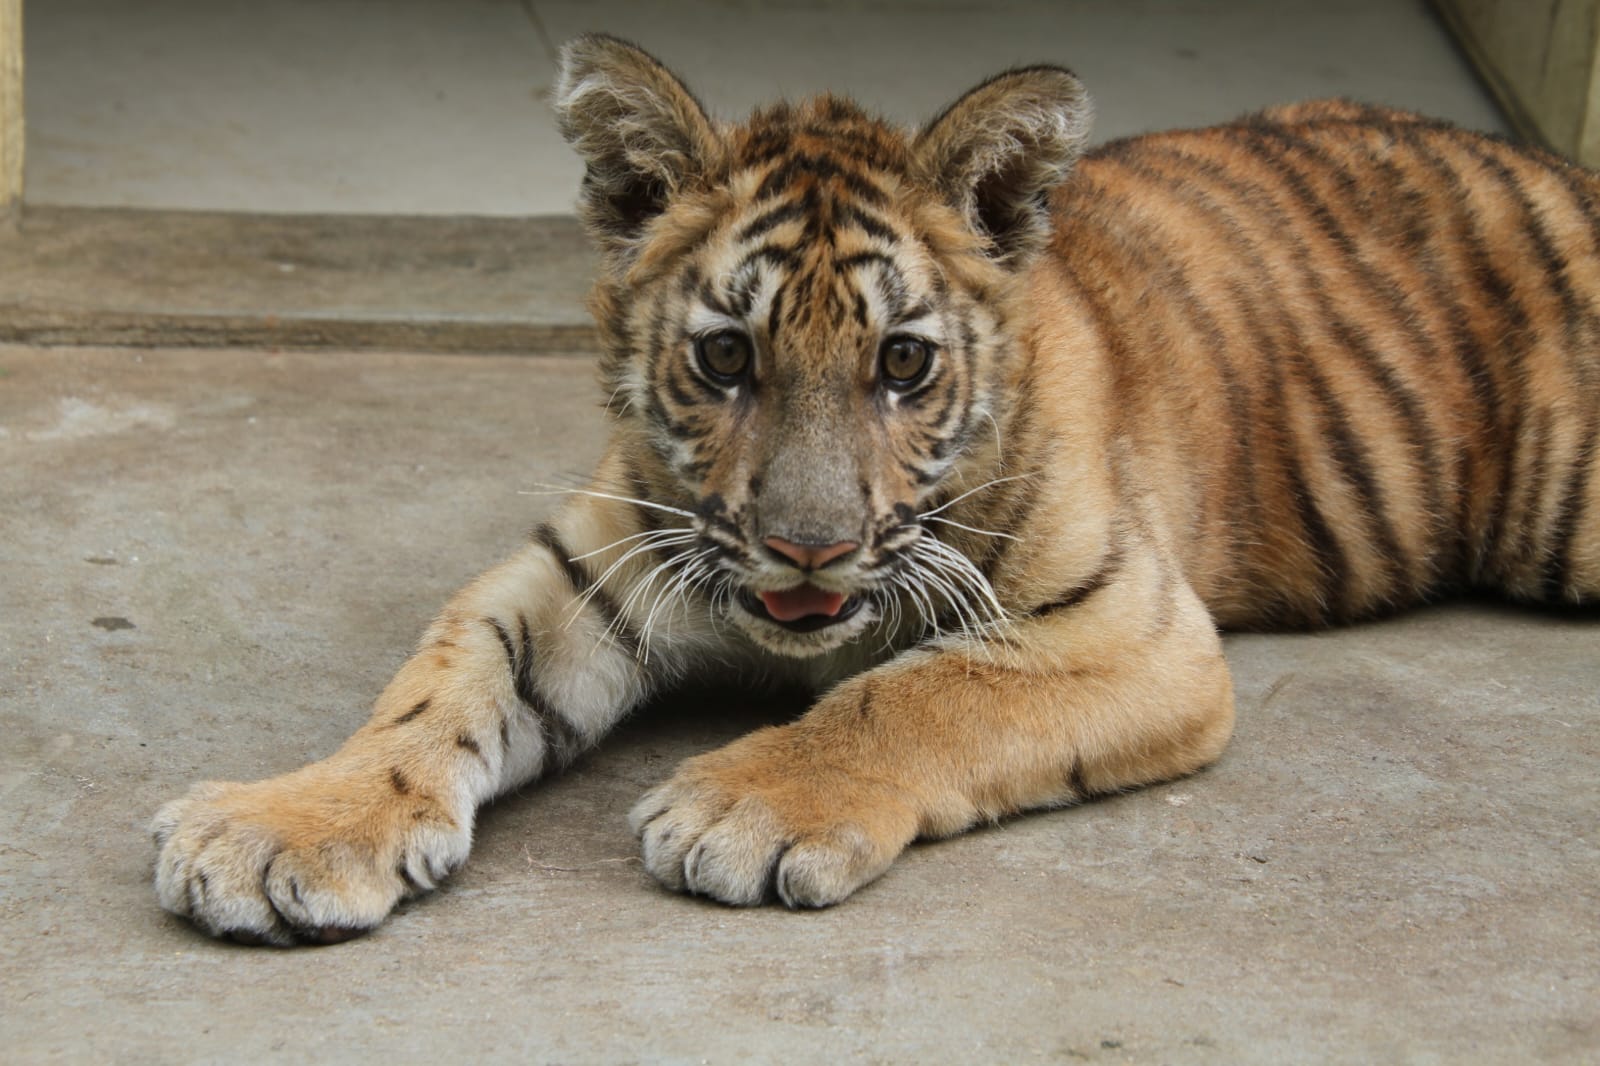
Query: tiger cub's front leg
[
  {"x": 1120, "y": 684},
  {"x": 513, "y": 680}
]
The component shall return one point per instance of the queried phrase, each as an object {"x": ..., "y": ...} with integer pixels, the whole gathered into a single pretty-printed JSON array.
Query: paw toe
[
  {"x": 650, "y": 807},
  {"x": 734, "y": 860},
  {"x": 824, "y": 871},
  {"x": 321, "y": 894}
]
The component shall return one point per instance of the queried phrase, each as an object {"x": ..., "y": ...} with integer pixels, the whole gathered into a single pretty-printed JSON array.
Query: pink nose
[{"x": 810, "y": 556}]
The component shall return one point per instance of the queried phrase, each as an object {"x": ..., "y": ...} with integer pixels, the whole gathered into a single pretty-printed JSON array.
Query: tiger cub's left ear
[{"x": 996, "y": 153}]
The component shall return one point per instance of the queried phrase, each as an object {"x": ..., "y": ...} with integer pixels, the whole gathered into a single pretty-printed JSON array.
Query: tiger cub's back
[{"x": 1361, "y": 348}]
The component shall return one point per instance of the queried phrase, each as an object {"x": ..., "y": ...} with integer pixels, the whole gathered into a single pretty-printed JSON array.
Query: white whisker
[
  {"x": 942, "y": 580},
  {"x": 640, "y": 589},
  {"x": 673, "y": 588},
  {"x": 631, "y": 536},
  {"x": 999, "y": 450},
  {"x": 980, "y": 488},
  {"x": 958, "y": 564},
  {"x": 557, "y": 490},
  {"x": 971, "y": 529},
  {"x": 664, "y": 539}
]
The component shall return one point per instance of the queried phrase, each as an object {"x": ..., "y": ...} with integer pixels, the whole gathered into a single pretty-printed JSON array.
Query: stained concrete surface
[
  {"x": 211, "y": 561},
  {"x": 91, "y": 275}
]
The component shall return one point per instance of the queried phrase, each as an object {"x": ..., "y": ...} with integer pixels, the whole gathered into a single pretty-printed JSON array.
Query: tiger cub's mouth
[{"x": 802, "y": 609}]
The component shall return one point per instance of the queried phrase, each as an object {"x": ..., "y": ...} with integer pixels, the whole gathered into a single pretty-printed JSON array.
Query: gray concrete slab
[
  {"x": 419, "y": 106},
  {"x": 211, "y": 561}
]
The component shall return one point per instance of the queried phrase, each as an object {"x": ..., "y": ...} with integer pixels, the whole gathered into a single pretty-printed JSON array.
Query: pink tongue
[{"x": 796, "y": 603}]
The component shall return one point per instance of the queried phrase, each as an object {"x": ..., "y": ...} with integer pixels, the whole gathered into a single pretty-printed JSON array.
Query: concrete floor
[
  {"x": 437, "y": 106},
  {"x": 211, "y": 561}
]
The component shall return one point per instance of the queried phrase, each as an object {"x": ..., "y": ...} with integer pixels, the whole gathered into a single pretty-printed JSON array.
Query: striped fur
[{"x": 1027, "y": 423}]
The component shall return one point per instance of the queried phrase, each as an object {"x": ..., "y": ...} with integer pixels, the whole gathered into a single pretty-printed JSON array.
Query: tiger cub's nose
[{"x": 810, "y": 556}]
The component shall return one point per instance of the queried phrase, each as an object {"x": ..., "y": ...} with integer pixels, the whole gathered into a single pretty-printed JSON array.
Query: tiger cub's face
[{"x": 805, "y": 318}]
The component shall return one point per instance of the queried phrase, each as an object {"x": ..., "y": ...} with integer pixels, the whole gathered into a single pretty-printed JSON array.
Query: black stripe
[
  {"x": 1553, "y": 263},
  {"x": 649, "y": 517},
  {"x": 398, "y": 781},
  {"x": 775, "y": 312},
  {"x": 421, "y": 706},
  {"x": 505, "y": 642},
  {"x": 1103, "y": 574},
  {"x": 1076, "y": 782},
  {"x": 562, "y": 742},
  {"x": 1538, "y": 442},
  {"x": 775, "y": 255},
  {"x": 653, "y": 354},
  {"x": 772, "y": 219},
  {"x": 675, "y": 391},
  {"x": 861, "y": 187},
  {"x": 466, "y": 743},
  {"x": 690, "y": 280},
  {"x": 820, "y": 167},
  {"x": 1327, "y": 555},
  {"x": 1569, "y": 518},
  {"x": 709, "y": 296},
  {"x": 1350, "y": 454},
  {"x": 855, "y": 259},
  {"x": 871, "y": 225},
  {"x": 521, "y": 669},
  {"x": 919, "y": 476}
]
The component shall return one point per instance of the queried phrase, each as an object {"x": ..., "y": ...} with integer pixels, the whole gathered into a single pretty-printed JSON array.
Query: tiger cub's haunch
[{"x": 982, "y": 439}]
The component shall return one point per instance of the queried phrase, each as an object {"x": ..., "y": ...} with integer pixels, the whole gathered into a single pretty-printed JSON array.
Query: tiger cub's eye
[
  {"x": 723, "y": 355},
  {"x": 904, "y": 361}
]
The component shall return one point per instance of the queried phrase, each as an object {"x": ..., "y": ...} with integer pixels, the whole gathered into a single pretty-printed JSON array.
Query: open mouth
[{"x": 802, "y": 609}]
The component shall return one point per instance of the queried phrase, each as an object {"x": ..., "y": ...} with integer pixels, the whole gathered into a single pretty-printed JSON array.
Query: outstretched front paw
[
  {"x": 316, "y": 856},
  {"x": 768, "y": 817}
]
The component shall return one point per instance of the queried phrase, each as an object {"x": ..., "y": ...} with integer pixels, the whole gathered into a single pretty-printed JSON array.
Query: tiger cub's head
[{"x": 807, "y": 321}]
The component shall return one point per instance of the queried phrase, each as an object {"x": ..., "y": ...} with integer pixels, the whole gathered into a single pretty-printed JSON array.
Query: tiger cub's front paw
[
  {"x": 768, "y": 818},
  {"x": 313, "y": 857}
]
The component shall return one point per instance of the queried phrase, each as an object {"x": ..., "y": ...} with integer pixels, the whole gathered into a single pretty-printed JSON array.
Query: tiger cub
[{"x": 983, "y": 436}]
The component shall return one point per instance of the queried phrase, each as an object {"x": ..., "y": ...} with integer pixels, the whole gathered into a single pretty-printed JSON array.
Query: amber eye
[
  {"x": 904, "y": 361},
  {"x": 723, "y": 355}
]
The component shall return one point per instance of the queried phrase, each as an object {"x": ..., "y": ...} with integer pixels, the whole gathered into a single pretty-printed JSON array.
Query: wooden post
[
  {"x": 10, "y": 111},
  {"x": 1541, "y": 60}
]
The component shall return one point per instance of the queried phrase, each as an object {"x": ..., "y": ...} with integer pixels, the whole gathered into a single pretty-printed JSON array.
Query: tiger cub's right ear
[
  {"x": 995, "y": 154},
  {"x": 642, "y": 135}
]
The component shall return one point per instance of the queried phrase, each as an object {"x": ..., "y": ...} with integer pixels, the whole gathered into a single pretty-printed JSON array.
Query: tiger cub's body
[
  {"x": 983, "y": 440},
  {"x": 1360, "y": 352}
]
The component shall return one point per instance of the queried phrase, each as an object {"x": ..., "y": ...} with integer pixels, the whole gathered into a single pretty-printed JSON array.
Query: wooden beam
[
  {"x": 10, "y": 110},
  {"x": 1540, "y": 59}
]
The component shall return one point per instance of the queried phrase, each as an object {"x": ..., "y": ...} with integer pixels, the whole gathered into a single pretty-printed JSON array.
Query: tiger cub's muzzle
[{"x": 818, "y": 590}]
